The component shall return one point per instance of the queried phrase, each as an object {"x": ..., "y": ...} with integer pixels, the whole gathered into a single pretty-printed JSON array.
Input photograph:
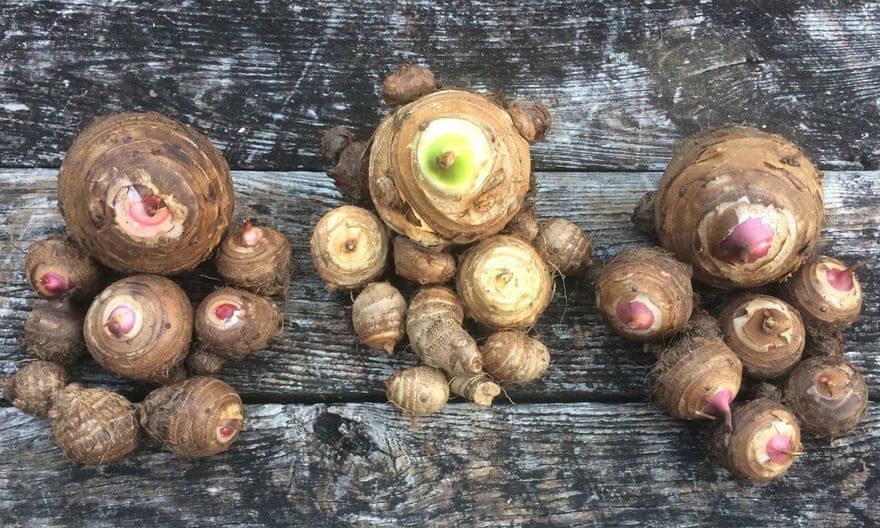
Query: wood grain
[
  {"x": 574, "y": 464},
  {"x": 624, "y": 80},
  {"x": 317, "y": 358}
]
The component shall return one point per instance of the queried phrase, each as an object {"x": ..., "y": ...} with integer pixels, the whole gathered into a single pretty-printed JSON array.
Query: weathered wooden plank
[
  {"x": 317, "y": 358},
  {"x": 624, "y": 80},
  {"x": 367, "y": 465}
]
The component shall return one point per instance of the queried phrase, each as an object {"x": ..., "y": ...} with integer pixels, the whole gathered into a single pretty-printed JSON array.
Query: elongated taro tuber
[
  {"x": 33, "y": 388},
  {"x": 743, "y": 207},
  {"x": 826, "y": 292},
  {"x": 696, "y": 377},
  {"x": 339, "y": 145},
  {"x": 94, "y": 426},
  {"x": 478, "y": 388},
  {"x": 140, "y": 327},
  {"x": 349, "y": 248},
  {"x": 564, "y": 246},
  {"x": 143, "y": 193},
  {"x": 233, "y": 323},
  {"x": 418, "y": 390},
  {"x": 258, "y": 259},
  {"x": 512, "y": 356},
  {"x": 504, "y": 283},
  {"x": 197, "y": 417},
  {"x": 762, "y": 442},
  {"x": 765, "y": 332},
  {"x": 420, "y": 264},
  {"x": 433, "y": 324},
  {"x": 645, "y": 294},
  {"x": 57, "y": 266},
  {"x": 53, "y": 331},
  {"x": 378, "y": 315},
  {"x": 827, "y": 394},
  {"x": 450, "y": 167}
]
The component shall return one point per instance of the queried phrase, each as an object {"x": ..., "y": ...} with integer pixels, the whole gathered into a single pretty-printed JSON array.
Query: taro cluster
[
  {"x": 444, "y": 187},
  {"x": 145, "y": 198},
  {"x": 741, "y": 210}
]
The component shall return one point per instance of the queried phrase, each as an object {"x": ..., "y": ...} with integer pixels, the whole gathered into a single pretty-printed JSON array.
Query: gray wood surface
[
  {"x": 571, "y": 464},
  {"x": 624, "y": 80}
]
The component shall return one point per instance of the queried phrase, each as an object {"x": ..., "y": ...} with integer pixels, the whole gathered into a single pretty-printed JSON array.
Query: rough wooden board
[
  {"x": 317, "y": 357},
  {"x": 366, "y": 465},
  {"x": 624, "y": 80}
]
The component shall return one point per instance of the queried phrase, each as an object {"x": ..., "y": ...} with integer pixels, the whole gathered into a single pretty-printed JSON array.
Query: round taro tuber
[
  {"x": 761, "y": 443},
  {"x": 142, "y": 193},
  {"x": 335, "y": 140},
  {"x": 378, "y": 315},
  {"x": 765, "y": 332},
  {"x": 140, "y": 327},
  {"x": 94, "y": 426},
  {"x": 827, "y": 394},
  {"x": 531, "y": 119},
  {"x": 406, "y": 84},
  {"x": 197, "y": 417},
  {"x": 696, "y": 377},
  {"x": 418, "y": 390},
  {"x": 512, "y": 356},
  {"x": 233, "y": 323},
  {"x": 564, "y": 246},
  {"x": 33, "y": 388},
  {"x": 645, "y": 294},
  {"x": 349, "y": 248},
  {"x": 57, "y": 266},
  {"x": 258, "y": 259},
  {"x": 744, "y": 208},
  {"x": 202, "y": 362},
  {"x": 421, "y": 264},
  {"x": 504, "y": 283},
  {"x": 53, "y": 331},
  {"x": 450, "y": 167},
  {"x": 524, "y": 225},
  {"x": 826, "y": 292}
]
